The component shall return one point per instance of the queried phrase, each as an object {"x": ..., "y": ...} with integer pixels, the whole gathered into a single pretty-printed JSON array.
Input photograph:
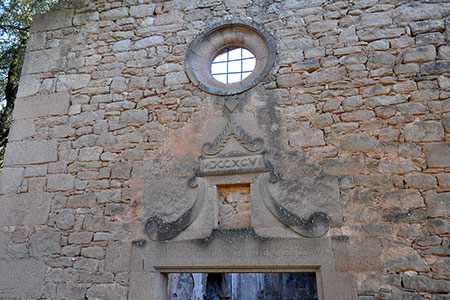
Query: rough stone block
[
  {"x": 90, "y": 154},
  {"x": 134, "y": 116},
  {"x": 46, "y": 241},
  {"x": 306, "y": 138},
  {"x": 121, "y": 171},
  {"x": 377, "y": 181},
  {"x": 359, "y": 143},
  {"x": 93, "y": 252},
  {"x": 10, "y": 180},
  {"x": 438, "y": 205},
  {"x": 60, "y": 182},
  {"x": 289, "y": 80},
  {"x": 62, "y": 275},
  {"x": 43, "y": 61},
  {"x": 72, "y": 291},
  {"x": 397, "y": 166},
  {"x": 140, "y": 11},
  {"x": 21, "y": 130},
  {"x": 409, "y": 263},
  {"x": 80, "y": 238},
  {"x": 344, "y": 166},
  {"x": 422, "y": 283},
  {"x": 148, "y": 42},
  {"x": 65, "y": 219},
  {"x": 437, "y": 155},
  {"x": 123, "y": 45},
  {"x": 19, "y": 152},
  {"x": 41, "y": 106},
  {"x": 21, "y": 278},
  {"x": 107, "y": 291},
  {"x": 421, "y": 181},
  {"x": 24, "y": 209},
  {"x": 444, "y": 180},
  {"x": 72, "y": 82},
  {"x": 401, "y": 199},
  {"x": 29, "y": 85},
  {"x": 54, "y": 19},
  {"x": 424, "y": 131},
  {"x": 118, "y": 257},
  {"x": 326, "y": 75},
  {"x": 420, "y": 54},
  {"x": 435, "y": 67}
]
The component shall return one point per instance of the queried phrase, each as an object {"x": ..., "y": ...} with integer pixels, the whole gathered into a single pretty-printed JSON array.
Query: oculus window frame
[{"x": 230, "y": 35}]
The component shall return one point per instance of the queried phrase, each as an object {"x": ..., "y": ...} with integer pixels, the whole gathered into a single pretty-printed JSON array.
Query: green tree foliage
[{"x": 15, "y": 21}]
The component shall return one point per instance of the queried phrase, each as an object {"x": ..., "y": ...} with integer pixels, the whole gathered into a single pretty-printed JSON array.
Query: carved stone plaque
[{"x": 232, "y": 164}]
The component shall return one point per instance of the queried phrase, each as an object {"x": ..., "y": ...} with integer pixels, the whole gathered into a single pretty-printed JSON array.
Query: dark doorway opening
[{"x": 242, "y": 286}]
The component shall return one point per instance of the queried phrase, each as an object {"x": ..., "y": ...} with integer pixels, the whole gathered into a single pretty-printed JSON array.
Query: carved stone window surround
[{"x": 229, "y": 34}]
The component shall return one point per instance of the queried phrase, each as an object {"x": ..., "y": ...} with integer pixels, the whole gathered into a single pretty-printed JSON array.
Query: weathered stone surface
[
  {"x": 397, "y": 166},
  {"x": 21, "y": 130},
  {"x": 344, "y": 166},
  {"x": 106, "y": 291},
  {"x": 424, "y": 131},
  {"x": 423, "y": 283},
  {"x": 62, "y": 275},
  {"x": 72, "y": 82},
  {"x": 80, "y": 238},
  {"x": 24, "y": 209},
  {"x": 134, "y": 116},
  {"x": 421, "y": 181},
  {"x": 118, "y": 257},
  {"x": 359, "y": 143},
  {"x": 437, "y": 155},
  {"x": 375, "y": 181},
  {"x": 438, "y": 226},
  {"x": 436, "y": 67},
  {"x": 409, "y": 263},
  {"x": 149, "y": 42},
  {"x": 21, "y": 278},
  {"x": 60, "y": 182},
  {"x": 72, "y": 291},
  {"x": 326, "y": 75},
  {"x": 93, "y": 252},
  {"x": 10, "y": 180},
  {"x": 121, "y": 171},
  {"x": 44, "y": 60},
  {"x": 420, "y": 54},
  {"x": 65, "y": 219},
  {"x": 438, "y": 205},
  {"x": 402, "y": 199},
  {"x": 45, "y": 241},
  {"x": 289, "y": 80},
  {"x": 354, "y": 118},
  {"x": 41, "y": 106},
  {"x": 18, "y": 153},
  {"x": 307, "y": 137}
]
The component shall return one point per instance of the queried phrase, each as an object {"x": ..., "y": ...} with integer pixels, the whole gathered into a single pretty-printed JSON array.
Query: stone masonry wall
[{"x": 363, "y": 93}]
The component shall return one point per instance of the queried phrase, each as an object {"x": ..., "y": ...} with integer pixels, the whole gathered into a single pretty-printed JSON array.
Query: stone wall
[{"x": 360, "y": 93}]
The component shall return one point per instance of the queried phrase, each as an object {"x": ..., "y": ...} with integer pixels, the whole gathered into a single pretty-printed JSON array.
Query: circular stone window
[{"x": 230, "y": 57}]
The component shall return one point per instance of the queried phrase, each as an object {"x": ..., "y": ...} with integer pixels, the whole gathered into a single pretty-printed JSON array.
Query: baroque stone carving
[
  {"x": 315, "y": 226},
  {"x": 233, "y": 129},
  {"x": 160, "y": 230}
]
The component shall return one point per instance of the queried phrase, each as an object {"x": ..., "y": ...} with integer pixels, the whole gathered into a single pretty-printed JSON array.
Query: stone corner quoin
[{"x": 352, "y": 123}]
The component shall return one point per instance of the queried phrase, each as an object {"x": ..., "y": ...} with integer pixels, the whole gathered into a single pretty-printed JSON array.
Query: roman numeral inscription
[{"x": 232, "y": 164}]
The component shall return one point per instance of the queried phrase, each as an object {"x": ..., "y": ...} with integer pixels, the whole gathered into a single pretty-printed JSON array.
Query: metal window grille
[{"x": 233, "y": 65}]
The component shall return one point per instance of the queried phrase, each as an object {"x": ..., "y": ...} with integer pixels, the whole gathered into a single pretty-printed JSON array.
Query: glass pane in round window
[{"x": 233, "y": 65}]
